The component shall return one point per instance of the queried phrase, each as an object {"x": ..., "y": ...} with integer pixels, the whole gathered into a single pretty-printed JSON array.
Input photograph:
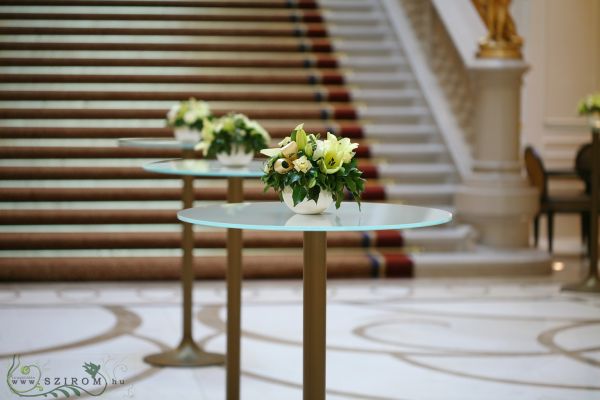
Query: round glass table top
[
  {"x": 156, "y": 143},
  {"x": 205, "y": 168},
  {"x": 275, "y": 216}
]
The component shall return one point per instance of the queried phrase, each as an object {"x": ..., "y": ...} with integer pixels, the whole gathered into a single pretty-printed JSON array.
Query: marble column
[{"x": 496, "y": 198}]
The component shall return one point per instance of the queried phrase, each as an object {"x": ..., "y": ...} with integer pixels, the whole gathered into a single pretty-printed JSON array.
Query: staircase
[{"x": 76, "y": 75}]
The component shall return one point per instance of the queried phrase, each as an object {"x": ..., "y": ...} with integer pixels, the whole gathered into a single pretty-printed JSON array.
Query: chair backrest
[
  {"x": 583, "y": 165},
  {"x": 536, "y": 171}
]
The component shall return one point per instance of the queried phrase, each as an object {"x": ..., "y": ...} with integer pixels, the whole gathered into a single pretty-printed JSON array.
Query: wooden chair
[{"x": 550, "y": 205}]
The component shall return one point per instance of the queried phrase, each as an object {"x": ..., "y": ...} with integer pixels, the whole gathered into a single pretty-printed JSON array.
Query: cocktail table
[
  {"x": 273, "y": 216},
  {"x": 188, "y": 354}
]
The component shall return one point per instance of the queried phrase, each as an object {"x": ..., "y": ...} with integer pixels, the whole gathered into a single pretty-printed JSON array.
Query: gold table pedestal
[
  {"x": 188, "y": 354},
  {"x": 315, "y": 314},
  {"x": 235, "y": 194}
]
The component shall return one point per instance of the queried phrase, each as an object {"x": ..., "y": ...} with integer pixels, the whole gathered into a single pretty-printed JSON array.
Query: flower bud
[
  {"x": 282, "y": 166},
  {"x": 290, "y": 150}
]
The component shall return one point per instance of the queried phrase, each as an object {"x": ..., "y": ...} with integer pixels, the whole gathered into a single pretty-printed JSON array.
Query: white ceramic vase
[
  {"x": 307, "y": 206},
  {"x": 187, "y": 135},
  {"x": 239, "y": 157}
]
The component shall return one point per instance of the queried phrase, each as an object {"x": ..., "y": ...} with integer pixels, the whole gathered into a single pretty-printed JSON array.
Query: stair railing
[{"x": 441, "y": 37}]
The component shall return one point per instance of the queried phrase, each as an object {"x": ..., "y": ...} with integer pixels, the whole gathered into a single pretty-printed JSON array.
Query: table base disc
[
  {"x": 590, "y": 285},
  {"x": 186, "y": 355}
]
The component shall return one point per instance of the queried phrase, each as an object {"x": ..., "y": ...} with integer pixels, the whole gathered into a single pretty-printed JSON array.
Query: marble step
[
  {"x": 28, "y": 15},
  {"x": 190, "y": 28},
  {"x": 405, "y": 152},
  {"x": 458, "y": 238},
  {"x": 305, "y": 30},
  {"x": 347, "y": 129},
  {"x": 408, "y": 151},
  {"x": 259, "y": 113},
  {"x": 481, "y": 262},
  {"x": 373, "y": 192},
  {"x": 53, "y": 219},
  {"x": 205, "y": 239},
  {"x": 260, "y": 4},
  {"x": 401, "y": 172},
  {"x": 309, "y": 61},
  {"x": 421, "y": 193},
  {"x": 106, "y": 266},
  {"x": 335, "y": 94},
  {"x": 214, "y": 44},
  {"x": 185, "y": 76}
]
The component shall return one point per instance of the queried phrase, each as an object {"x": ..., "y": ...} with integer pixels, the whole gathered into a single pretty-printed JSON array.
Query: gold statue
[{"x": 502, "y": 40}]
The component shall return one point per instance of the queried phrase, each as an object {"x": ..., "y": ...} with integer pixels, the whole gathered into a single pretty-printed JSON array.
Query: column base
[
  {"x": 501, "y": 208},
  {"x": 187, "y": 354}
]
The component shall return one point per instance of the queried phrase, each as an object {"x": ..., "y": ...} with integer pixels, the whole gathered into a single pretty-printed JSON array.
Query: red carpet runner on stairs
[{"x": 69, "y": 95}]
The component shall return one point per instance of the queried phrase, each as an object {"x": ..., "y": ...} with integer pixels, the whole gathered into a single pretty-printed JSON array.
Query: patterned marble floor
[{"x": 482, "y": 339}]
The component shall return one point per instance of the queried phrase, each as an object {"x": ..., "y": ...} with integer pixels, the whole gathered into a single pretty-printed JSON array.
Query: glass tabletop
[
  {"x": 205, "y": 168},
  {"x": 156, "y": 143},
  {"x": 275, "y": 216}
]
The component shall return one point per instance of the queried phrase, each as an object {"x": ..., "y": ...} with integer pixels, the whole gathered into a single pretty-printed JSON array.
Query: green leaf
[
  {"x": 350, "y": 184},
  {"x": 298, "y": 194}
]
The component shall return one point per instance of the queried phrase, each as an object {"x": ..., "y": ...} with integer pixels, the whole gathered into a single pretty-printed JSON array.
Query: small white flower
[
  {"x": 202, "y": 110},
  {"x": 266, "y": 168},
  {"x": 302, "y": 164},
  {"x": 190, "y": 117}
]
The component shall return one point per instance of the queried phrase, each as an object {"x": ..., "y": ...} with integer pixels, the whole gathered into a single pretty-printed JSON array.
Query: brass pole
[
  {"x": 187, "y": 244},
  {"x": 235, "y": 194},
  {"x": 315, "y": 306},
  {"x": 187, "y": 271}
]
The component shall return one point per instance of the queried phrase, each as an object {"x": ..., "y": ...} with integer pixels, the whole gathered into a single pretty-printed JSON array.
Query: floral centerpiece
[
  {"x": 233, "y": 139},
  {"x": 309, "y": 173},
  {"x": 590, "y": 106},
  {"x": 188, "y": 119}
]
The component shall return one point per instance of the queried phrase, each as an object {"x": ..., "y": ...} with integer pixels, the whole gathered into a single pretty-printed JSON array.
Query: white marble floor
[{"x": 387, "y": 339}]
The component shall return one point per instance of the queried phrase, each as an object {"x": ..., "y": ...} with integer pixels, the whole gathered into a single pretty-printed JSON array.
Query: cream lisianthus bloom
[{"x": 302, "y": 164}]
